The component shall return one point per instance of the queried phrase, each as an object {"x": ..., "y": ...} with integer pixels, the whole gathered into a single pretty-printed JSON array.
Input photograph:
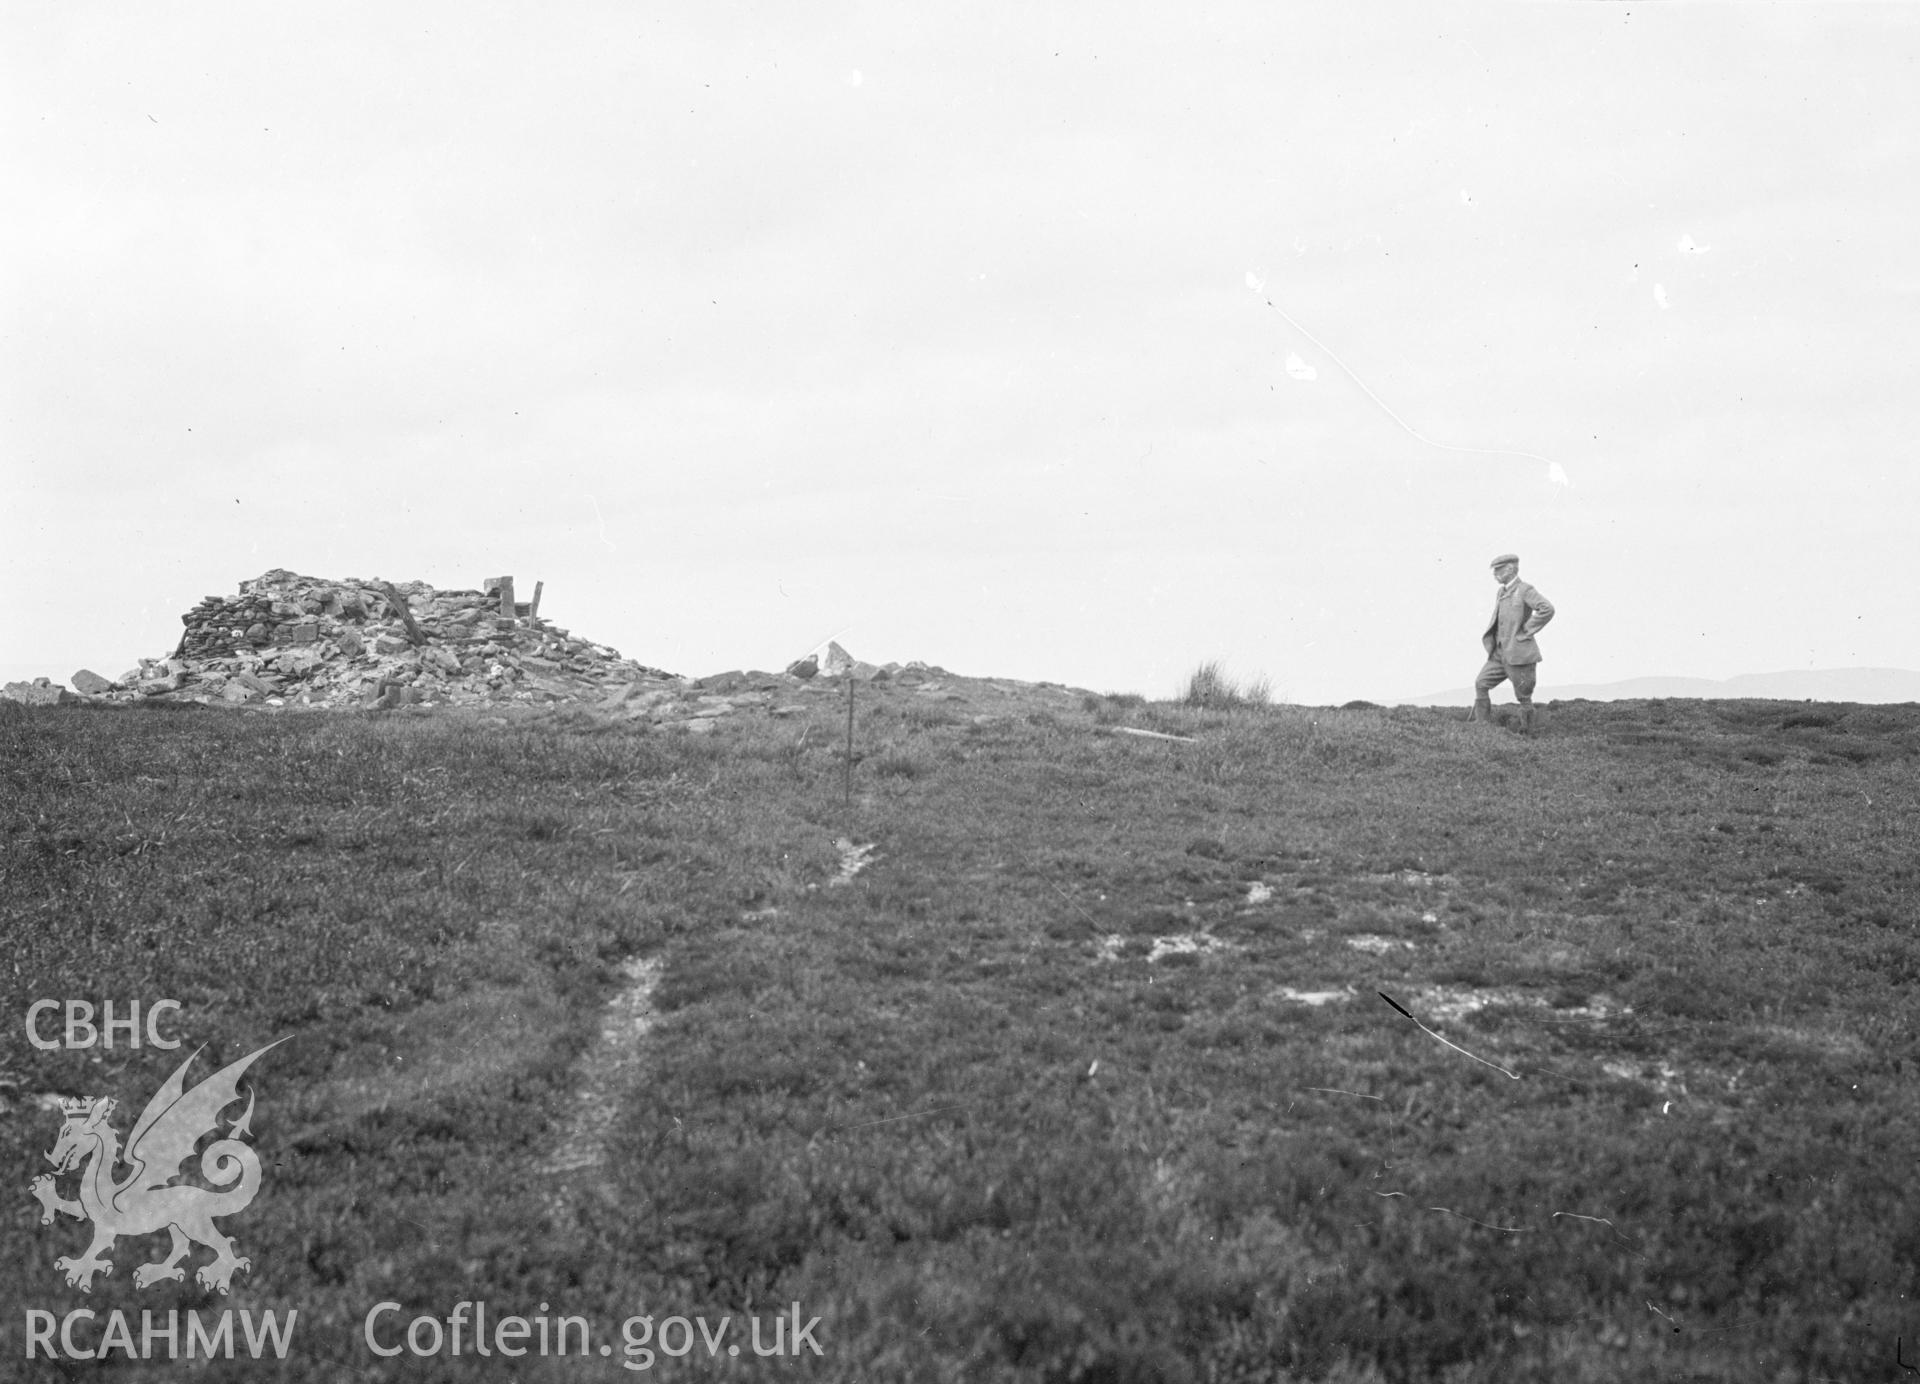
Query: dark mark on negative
[{"x": 1437, "y": 1038}]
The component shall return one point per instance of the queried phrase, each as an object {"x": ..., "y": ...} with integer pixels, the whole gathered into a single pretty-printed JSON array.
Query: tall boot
[
  {"x": 1482, "y": 708},
  {"x": 1526, "y": 718}
]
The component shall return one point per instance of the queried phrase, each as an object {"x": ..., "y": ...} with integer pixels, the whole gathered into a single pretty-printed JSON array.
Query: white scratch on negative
[
  {"x": 911, "y": 1115},
  {"x": 1258, "y": 287},
  {"x": 601, "y": 520},
  {"x": 1449, "y": 1211},
  {"x": 1299, "y": 369},
  {"x": 1503, "y": 1229}
]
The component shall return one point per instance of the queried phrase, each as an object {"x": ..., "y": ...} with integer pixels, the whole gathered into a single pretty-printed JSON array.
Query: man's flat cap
[{"x": 1514, "y": 558}]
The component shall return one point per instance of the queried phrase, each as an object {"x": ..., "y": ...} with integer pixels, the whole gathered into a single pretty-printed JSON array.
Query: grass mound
[{"x": 1083, "y": 1074}]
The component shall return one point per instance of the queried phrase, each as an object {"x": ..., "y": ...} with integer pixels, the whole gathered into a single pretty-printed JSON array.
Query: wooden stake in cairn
[
  {"x": 533, "y": 611},
  {"x": 506, "y": 597},
  {"x": 849, "y": 677},
  {"x": 415, "y": 635}
]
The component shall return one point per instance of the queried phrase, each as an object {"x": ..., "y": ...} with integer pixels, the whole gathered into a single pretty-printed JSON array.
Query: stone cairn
[{"x": 288, "y": 641}]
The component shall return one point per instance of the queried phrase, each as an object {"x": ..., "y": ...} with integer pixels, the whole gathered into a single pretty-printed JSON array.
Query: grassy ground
[{"x": 1033, "y": 1096}]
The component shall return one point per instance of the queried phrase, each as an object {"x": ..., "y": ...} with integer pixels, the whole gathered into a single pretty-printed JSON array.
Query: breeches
[{"x": 1498, "y": 670}]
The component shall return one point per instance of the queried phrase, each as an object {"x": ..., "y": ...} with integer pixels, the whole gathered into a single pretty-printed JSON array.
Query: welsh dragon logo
[{"x": 146, "y": 1199}]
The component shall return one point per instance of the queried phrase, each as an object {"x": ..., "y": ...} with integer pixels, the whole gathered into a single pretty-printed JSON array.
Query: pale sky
[{"x": 935, "y": 329}]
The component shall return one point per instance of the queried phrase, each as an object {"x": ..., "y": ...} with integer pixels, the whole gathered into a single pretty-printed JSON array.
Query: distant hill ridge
[{"x": 1797, "y": 684}]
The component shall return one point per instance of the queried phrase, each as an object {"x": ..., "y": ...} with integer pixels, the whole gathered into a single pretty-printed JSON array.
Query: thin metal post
[{"x": 849, "y": 677}]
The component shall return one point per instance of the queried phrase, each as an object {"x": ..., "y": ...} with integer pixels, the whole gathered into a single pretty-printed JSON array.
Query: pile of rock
[
  {"x": 44, "y": 691},
  {"x": 290, "y": 640}
]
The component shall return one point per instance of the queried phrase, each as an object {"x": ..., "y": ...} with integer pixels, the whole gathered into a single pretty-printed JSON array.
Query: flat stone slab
[{"x": 39, "y": 692}]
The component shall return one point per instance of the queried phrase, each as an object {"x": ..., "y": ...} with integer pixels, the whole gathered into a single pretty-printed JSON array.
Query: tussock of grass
[{"x": 1210, "y": 686}]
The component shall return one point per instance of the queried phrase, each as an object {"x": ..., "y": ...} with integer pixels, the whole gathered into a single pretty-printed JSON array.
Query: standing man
[{"x": 1518, "y": 614}]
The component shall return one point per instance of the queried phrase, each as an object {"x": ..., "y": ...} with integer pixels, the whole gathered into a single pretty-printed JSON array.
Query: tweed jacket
[{"x": 1517, "y": 617}]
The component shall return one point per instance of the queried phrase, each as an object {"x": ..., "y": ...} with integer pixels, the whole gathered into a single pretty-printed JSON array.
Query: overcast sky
[{"x": 1077, "y": 343}]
